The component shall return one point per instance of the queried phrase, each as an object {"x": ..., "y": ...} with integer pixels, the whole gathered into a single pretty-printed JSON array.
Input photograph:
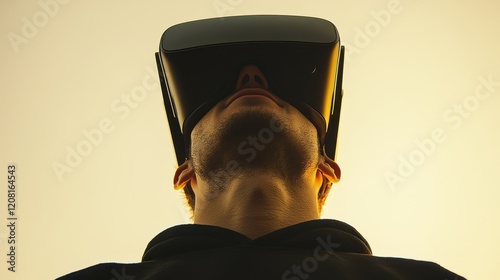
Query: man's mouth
[{"x": 254, "y": 92}]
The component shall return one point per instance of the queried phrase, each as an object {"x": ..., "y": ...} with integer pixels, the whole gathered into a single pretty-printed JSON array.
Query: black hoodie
[{"x": 318, "y": 249}]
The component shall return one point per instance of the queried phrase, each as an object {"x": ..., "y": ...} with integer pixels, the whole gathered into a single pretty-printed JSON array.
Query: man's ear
[
  {"x": 329, "y": 169},
  {"x": 183, "y": 175}
]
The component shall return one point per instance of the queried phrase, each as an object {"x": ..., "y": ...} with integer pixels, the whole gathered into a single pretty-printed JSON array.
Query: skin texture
[{"x": 255, "y": 164}]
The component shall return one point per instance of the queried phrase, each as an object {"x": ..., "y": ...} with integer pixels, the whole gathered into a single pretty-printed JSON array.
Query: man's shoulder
[
  {"x": 107, "y": 271},
  {"x": 400, "y": 268},
  {"x": 311, "y": 250},
  {"x": 338, "y": 265}
]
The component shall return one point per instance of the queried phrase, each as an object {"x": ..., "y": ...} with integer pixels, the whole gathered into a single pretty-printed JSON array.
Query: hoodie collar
[{"x": 330, "y": 234}]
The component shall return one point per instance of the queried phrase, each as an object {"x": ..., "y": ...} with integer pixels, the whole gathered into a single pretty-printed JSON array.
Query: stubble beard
[{"x": 252, "y": 141}]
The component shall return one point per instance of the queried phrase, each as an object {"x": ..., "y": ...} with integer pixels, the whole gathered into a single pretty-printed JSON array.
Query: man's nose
[{"x": 251, "y": 77}]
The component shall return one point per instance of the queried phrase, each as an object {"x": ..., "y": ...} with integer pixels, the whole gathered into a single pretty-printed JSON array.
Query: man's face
[{"x": 250, "y": 131}]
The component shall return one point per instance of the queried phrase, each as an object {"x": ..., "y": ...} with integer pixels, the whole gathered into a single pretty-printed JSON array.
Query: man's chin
[
  {"x": 249, "y": 122},
  {"x": 249, "y": 141}
]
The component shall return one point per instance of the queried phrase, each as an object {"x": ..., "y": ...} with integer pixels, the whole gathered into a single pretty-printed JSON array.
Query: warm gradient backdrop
[{"x": 418, "y": 147}]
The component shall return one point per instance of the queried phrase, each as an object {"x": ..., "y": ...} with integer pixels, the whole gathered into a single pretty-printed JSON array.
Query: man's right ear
[{"x": 183, "y": 175}]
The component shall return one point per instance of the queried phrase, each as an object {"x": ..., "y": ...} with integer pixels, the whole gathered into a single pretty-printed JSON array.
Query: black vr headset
[{"x": 301, "y": 57}]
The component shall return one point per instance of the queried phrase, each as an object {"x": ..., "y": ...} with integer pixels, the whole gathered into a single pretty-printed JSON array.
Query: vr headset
[{"x": 301, "y": 58}]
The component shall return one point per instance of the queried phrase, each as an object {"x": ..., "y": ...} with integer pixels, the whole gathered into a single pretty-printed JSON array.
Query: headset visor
[{"x": 299, "y": 56}]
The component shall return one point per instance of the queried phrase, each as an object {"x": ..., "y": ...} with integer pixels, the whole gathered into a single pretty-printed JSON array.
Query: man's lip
[{"x": 252, "y": 91}]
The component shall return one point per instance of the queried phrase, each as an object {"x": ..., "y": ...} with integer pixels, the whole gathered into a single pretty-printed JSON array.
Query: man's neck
[{"x": 257, "y": 205}]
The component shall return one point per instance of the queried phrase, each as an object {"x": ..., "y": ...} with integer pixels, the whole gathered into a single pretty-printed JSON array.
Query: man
[
  {"x": 256, "y": 177},
  {"x": 275, "y": 186}
]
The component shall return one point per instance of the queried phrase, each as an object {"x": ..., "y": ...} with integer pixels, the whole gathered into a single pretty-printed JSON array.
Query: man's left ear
[{"x": 329, "y": 169}]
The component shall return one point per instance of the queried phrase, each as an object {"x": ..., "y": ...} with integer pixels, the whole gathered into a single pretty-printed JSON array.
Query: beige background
[{"x": 72, "y": 62}]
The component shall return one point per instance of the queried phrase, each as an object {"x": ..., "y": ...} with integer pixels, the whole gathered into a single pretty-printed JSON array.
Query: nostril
[
  {"x": 259, "y": 80},
  {"x": 245, "y": 80}
]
